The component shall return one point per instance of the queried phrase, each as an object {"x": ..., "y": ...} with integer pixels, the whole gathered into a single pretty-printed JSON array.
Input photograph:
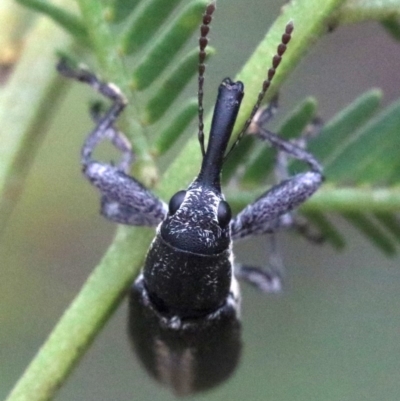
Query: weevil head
[
  {"x": 198, "y": 221},
  {"x": 198, "y": 218}
]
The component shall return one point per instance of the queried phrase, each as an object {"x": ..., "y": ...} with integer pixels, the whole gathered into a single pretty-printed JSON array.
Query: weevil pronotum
[{"x": 185, "y": 302}]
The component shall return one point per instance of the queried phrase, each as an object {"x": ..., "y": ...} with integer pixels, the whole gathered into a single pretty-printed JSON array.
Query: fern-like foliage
[
  {"x": 133, "y": 44},
  {"x": 359, "y": 151},
  {"x": 355, "y": 152},
  {"x": 147, "y": 37}
]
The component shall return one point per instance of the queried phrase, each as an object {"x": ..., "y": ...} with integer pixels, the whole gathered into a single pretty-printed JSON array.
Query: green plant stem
[
  {"x": 109, "y": 281},
  {"x": 26, "y": 105},
  {"x": 333, "y": 199},
  {"x": 84, "y": 318},
  {"x": 354, "y": 11}
]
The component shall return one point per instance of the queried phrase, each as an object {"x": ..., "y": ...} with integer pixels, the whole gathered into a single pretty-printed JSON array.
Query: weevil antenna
[
  {"x": 203, "y": 41},
  {"x": 276, "y": 60}
]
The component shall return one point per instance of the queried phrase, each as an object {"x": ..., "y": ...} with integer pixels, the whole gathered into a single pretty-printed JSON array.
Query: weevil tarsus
[
  {"x": 104, "y": 128},
  {"x": 116, "y": 137},
  {"x": 124, "y": 199}
]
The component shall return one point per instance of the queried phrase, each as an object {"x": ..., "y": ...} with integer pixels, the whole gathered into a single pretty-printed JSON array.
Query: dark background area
[{"x": 333, "y": 334}]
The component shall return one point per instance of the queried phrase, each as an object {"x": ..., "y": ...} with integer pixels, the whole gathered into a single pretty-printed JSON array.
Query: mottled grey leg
[
  {"x": 117, "y": 138},
  {"x": 292, "y": 219},
  {"x": 272, "y": 210},
  {"x": 264, "y": 279},
  {"x": 263, "y": 116},
  {"x": 123, "y": 199},
  {"x": 265, "y": 214}
]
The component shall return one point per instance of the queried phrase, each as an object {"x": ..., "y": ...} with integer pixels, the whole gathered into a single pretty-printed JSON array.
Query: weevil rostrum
[{"x": 184, "y": 306}]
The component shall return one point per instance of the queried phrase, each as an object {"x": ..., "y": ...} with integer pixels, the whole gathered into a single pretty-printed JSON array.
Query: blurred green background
[{"x": 333, "y": 334}]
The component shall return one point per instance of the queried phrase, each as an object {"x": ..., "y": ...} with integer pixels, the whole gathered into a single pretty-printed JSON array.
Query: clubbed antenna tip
[
  {"x": 276, "y": 60},
  {"x": 203, "y": 41}
]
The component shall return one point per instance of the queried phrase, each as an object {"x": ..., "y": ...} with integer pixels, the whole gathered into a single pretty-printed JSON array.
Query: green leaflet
[
  {"x": 335, "y": 133},
  {"x": 168, "y": 137},
  {"x": 172, "y": 86},
  {"x": 369, "y": 154},
  {"x": 372, "y": 231},
  {"x": 120, "y": 10},
  {"x": 144, "y": 23},
  {"x": 69, "y": 21},
  {"x": 167, "y": 44}
]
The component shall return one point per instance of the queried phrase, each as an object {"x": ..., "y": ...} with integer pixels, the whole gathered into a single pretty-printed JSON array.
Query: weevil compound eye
[
  {"x": 224, "y": 214},
  {"x": 176, "y": 202}
]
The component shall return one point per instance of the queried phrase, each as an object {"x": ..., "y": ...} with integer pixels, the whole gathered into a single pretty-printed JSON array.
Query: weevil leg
[
  {"x": 273, "y": 210},
  {"x": 123, "y": 198},
  {"x": 300, "y": 224},
  {"x": 116, "y": 137},
  {"x": 281, "y": 169},
  {"x": 267, "y": 213},
  {"x": 265, "y": 280},
  {"x": 292, "y": 219},
  {"x": 264, "y": 115},
  {"x": 104, "y": 128}
]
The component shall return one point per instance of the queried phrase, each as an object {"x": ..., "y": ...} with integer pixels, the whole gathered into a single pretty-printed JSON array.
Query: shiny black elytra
[{"x": 184, "y": 305}]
